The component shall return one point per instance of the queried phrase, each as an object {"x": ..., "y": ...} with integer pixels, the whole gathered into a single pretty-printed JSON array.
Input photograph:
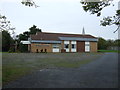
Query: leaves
[
  {"x": 29, "y": 3},
  {"x": 5, "y": 24},
  {"x": 106, "y": 21},
  {"x": 94, "y": 7},
  {"x": 97, "y": 7},
  {"x": 26, "y": 34},
  {"x": 104, "y": 44},
  {"x": 6, "y": 40}
]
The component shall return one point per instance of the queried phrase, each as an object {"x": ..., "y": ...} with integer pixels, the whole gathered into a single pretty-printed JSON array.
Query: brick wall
[
  {"x": 40, "y": 47},
  {"x": 93, "y": 46}
]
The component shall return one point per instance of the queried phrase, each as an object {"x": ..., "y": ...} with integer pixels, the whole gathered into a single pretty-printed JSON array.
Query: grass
[
  {"x": 11, "y": 73},
  {"x": 72, "y": 64},
  {"x": 117, "y": 51},
  {"x": 16, "y": 65}
]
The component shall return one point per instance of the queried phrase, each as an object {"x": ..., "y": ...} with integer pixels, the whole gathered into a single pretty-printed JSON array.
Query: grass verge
[{"x": 117, "y": 51}]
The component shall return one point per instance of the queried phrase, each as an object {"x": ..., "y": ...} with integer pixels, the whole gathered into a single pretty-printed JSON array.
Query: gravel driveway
[{"x": 101, "y": 73}]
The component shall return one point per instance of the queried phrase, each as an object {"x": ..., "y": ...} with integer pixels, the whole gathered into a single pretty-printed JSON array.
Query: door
[{"x": 80, "y": 46}]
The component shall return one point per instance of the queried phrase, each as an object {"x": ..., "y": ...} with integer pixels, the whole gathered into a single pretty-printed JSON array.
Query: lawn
[
  {"x": 16, "y": 65},
  {"x": 117, "y": 51}
]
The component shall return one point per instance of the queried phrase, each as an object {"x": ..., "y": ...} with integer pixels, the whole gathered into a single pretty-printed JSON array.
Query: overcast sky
[{"x": 61, "y": 16}]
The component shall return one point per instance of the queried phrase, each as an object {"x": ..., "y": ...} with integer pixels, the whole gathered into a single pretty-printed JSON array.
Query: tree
[
  {"x": 7, "y": 41},
  {"x": 25, "y": 35},
  {"x": 97, "y": 7},
  {"x": 29, "y": 3},
  {"x": 23, "y": 48},
  {"x": 110, "y": 42},
  {"x": 33, "y": 30},
  {"x": 5, "y": 24},
  {"x": 102, "y": 44},
  {"x": 5, "y": 29},
  {"x": 117, "y": 42}
]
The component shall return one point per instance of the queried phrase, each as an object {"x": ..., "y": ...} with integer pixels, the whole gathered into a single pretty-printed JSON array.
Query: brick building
[{"x": 61, "y": 42}]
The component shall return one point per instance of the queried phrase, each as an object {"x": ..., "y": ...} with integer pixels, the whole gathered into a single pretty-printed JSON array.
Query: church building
[{"x": 61, "y": 42}]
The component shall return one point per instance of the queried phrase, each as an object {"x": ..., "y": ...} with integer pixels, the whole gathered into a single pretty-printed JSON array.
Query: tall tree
[
  {"x": 117, "y": 42},
  {"x": 5, "y": 24},
  {"x": 7, "y": 41},
  {"x": 110, "y": 42},
  {"x": 25, "y": 35},
  {"x": 34, "y": 29},
  {"x": 102, "y": 44}
]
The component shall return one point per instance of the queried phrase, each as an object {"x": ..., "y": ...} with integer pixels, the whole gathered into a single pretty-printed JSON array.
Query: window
[
  {"x": 73, "y": 42},
  {"x": 66, "y": 46},
  {"x": 55, "y": 46},
  {"x": 87, "y": 43},
  {"x": 73, "y": 46}
]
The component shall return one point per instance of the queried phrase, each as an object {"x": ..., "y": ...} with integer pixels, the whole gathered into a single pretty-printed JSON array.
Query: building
[{"x": 61, "y": 42}]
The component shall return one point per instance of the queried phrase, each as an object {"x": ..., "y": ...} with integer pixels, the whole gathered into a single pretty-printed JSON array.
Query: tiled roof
[{"x": 55, "y": 36}]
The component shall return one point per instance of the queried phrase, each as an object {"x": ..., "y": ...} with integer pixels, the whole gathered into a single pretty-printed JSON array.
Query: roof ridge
[{"x": 63, "y": 33}]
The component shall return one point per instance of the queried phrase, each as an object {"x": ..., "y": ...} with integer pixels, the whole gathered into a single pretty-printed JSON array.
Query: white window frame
[
  {"x": 87, "y": 46},
  {"x": 73, "y": 42},
  {"x": 73, "y": 49},
  {"x": 55, "y": 48},
  {"x": 68, "y": 43}
]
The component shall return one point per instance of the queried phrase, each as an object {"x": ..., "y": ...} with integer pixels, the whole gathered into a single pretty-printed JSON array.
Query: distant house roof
[
  {"x": 25, "y": 42},
  {"x": 60, "y": 36}
]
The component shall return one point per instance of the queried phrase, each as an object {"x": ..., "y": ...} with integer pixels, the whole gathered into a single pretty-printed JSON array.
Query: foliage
[
  {"x": 24, "y": 36},
  {"x": 117, "y": 42},
  {"x": 97, "y": 7},
  {"x": 23, "y": 48},
  {"x": 5, "y": 24},
  {"x": 7, "y": 41},
  {"x": 94, "y": 7},
  {"x": 29, "y": 3},
  {"x": 33, "y": 30},
  {"x": 104, "y": 44}
]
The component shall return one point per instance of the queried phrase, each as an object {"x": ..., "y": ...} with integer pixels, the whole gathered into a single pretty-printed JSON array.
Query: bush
[{"x": 23, "y": 48}]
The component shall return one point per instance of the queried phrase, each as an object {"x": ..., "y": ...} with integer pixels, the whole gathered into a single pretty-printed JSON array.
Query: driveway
[{"x": 101, "y": 73}]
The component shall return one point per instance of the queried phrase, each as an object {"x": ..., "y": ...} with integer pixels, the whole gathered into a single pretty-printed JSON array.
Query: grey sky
[{"x": 62, "y": 16}]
